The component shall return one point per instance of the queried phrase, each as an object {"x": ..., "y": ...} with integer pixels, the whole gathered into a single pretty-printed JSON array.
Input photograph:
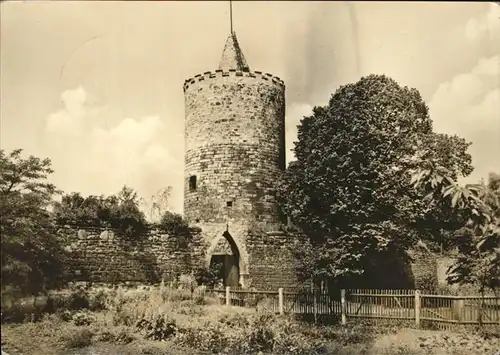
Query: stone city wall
[{"x": 102, "y": 255}]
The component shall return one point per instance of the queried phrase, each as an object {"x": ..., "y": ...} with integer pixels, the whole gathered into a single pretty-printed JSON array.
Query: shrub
[
  {"x": 212, "y": 338},
  {"x": 79, "y": 338},
  {"x": 187, "y": 282},
  {"x": 120, "y": 335},
  {"x": 261, "y": 339},
  {"x": 78, "y": 299},
  {"x": 158, "y": 349},
  {"x": 427, "y": 283},
  {"x": 82, "y": 318},
  {"x": 488, "y": 333},
  {"x": 173, "y": 223},
  {"x": 98, "y": 301},
  {"x": 158, "y": 327},
  {"x": 75, "y": 299},
  {"x": 236, "y": 320},
  {"x": 400, "y": 350},
  {"x": 209, "y": 276},
  {"x": 199, "y": 299}
]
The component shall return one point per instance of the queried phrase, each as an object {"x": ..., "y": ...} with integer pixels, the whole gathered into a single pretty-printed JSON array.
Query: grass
[
  {"x": 55, "y": 337},
  {"x": 171, "y": 321}
]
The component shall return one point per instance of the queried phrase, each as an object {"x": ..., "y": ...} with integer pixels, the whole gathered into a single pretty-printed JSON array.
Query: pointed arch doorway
[{"x": 225, "y": 261}]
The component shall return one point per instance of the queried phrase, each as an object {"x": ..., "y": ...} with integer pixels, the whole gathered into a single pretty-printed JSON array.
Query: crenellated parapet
[{"x": 233, "y": 73}]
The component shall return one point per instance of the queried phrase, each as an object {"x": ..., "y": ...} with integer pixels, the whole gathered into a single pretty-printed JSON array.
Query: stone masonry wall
[
  {"x": 101, "y": 255},
  {"x": 234, "y": 147},
  {"x": 267, "y": 258},
  {"x": 271, "y": 261}
]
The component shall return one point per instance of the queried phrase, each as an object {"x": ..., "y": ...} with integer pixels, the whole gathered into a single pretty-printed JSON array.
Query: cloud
[
  {"x": 70, "y": 118},
  {"x": 485, "y": 26},
  {"x": 469, "y": 105},
  {"x": 99, "y": 160},
  {"x": 314, "y": 49},
  {"x": 471, "y": 98}
]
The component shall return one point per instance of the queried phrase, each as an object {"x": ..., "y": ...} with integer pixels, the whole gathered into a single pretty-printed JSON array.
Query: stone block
[{"x": 82, "y": 234}]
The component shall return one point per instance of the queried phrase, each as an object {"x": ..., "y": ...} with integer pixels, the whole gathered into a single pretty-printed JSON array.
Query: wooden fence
[{"x": 379, "y": 306}]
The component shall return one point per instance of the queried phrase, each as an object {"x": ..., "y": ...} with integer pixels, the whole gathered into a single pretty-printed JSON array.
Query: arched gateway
[{"x": 225, "y": 256}]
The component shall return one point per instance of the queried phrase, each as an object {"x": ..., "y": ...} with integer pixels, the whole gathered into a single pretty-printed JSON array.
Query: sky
[{"x": 97, "y": 86}]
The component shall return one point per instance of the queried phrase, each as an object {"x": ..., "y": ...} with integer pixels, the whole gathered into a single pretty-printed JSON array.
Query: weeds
[
  {"x": 159, "y": 327},
  {"x": 189, "y": 318},
  {"x": 80, "y": 338}
]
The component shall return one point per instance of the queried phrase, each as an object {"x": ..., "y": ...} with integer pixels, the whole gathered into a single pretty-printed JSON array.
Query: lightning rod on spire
[{"x": 231, "y": 15}]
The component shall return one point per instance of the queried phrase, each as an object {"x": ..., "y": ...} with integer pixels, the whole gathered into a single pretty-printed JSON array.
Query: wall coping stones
[
  {"x": 276, "y": 233},
  {"x": 233, "y": 73}
]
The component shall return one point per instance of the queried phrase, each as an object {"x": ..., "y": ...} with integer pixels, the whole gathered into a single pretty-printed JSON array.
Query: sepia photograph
[{"x": 250, "y": 177}]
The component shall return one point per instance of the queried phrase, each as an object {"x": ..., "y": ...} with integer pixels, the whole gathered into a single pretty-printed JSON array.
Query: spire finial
[
  {"x": 232, "y": 57},
  {"x": 231, "y": 15}
]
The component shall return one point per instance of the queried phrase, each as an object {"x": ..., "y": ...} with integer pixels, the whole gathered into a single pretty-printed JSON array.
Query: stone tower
[{"x": 234, "y": 151}]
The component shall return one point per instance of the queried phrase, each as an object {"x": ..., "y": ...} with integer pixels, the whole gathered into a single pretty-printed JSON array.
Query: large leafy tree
[
  {"x": 31, "y": 254},
  {"x": 349, "y": 188}
]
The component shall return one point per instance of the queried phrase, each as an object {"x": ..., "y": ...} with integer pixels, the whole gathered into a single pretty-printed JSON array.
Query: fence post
[
  {"x": 228, "y": 296},
  {"x": 343, "y": 307},
  {"x": 417, "y": 308},
  {"x": 458, "y": 306},
  {"x": 315, "y": 305},
  {"x": 280, "y": 301}
]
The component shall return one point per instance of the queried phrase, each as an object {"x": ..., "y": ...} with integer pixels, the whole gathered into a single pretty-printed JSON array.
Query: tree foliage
[
  {"x": 173, "y": 223},
  {"x": 492, "y": 194},
  {"x": 120, "y": 211},
  {"x": 478, "y": 239},
  {"x": 349, "y": 189},
  {"x": 157, "y": 205},
  {"x": 435, "y": 225},
  {"x": 31, "y": 255}
]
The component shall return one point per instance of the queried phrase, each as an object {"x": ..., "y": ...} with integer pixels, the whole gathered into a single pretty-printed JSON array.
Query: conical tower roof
[{"x": 232, "y": 56}]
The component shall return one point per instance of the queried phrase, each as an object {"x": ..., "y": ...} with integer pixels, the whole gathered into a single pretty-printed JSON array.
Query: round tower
[{"x": 234, "y": 141}]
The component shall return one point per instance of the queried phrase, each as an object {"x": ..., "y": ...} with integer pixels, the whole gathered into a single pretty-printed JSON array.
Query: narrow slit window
[
  {"x": 192, "y": 183},
  {"x": 229, "y": 203}
]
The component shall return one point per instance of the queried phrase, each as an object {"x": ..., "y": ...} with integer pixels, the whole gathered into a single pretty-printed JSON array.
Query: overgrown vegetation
[
  {"x": 190, "y": 322},
  {"x": 119, "y": 211},
  {"x": 211, "y": 276}
]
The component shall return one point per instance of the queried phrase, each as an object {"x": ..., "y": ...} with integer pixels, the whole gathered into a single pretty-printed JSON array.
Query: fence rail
[{"x": 427, "y": 310}]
